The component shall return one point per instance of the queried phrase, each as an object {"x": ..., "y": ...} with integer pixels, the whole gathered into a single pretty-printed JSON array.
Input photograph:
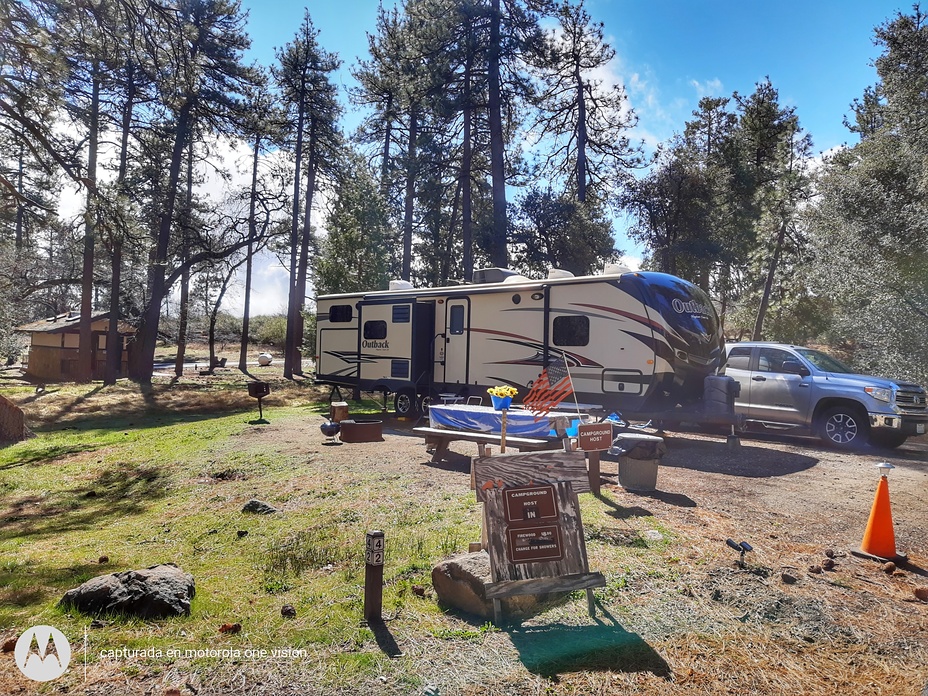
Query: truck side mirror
[{"x": 794, "y": 367}]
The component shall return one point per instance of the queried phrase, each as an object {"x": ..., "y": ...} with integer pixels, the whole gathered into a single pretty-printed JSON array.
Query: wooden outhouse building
[{"x": 54, "y": 344}]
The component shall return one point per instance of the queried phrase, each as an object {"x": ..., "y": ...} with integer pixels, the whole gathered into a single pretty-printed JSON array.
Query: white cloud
[{"x": 709, "y": 88}]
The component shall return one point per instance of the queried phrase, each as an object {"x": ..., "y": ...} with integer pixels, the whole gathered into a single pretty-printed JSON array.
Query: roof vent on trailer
[
  {"x": 616, "y": 269},
  {"x": 554, "y": 273},
  {"x": 400, "y": 285},
  {"x": 493, "y": 275}
]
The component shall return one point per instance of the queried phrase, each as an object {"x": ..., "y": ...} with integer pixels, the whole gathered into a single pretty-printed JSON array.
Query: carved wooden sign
[
  {"x": 533, "y": 531},
  {"x": 595, "y": 437}
]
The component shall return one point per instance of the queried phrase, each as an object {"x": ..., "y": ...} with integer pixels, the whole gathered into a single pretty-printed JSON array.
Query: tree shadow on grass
[
  {"x": 556, "y": 649},
  {"x": 32, "y": 583},
  {"x": 115, "y": 492}
]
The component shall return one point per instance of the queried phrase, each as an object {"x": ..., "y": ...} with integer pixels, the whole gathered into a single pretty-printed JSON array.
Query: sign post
[
  {"x": 594, "y": 438},
  {"x": 373, "y": 576}
]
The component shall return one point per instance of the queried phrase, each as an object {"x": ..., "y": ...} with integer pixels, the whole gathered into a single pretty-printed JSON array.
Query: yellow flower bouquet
[{"x": 502, "y": 396}]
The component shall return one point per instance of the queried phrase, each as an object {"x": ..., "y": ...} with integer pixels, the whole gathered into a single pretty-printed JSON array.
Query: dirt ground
[
  {"x": 703, "y": 624},
  {"x": 698, "y": 623}
]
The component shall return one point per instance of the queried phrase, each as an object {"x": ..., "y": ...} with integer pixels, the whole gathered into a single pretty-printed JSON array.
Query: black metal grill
[{"x": 912, "y": 400}]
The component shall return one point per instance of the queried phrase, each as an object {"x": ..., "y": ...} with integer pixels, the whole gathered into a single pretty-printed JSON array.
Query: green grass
[{"x": 168, "y": 487}]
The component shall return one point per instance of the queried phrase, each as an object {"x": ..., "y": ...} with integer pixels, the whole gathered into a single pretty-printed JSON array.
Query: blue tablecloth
[{"x": 484, "y": 419}]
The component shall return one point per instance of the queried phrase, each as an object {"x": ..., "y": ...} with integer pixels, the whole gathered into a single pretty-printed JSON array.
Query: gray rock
[
  {"x": 152, "y": 593},
  {"x": 459, "y": 582},
  {"x": 259, "y": 507}
]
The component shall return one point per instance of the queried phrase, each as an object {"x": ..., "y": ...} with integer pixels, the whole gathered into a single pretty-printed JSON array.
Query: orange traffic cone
[{"x": 879, "y": 539}]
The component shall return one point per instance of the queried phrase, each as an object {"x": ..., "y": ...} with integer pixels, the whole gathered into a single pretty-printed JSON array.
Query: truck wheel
[
  {"x": 888, "y": 440},
  {"x": 404, "y": 403},
  {"x": 844, "y": 427}
]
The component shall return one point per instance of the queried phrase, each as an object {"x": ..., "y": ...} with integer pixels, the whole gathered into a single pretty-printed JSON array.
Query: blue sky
[
  {"x": 818, "y": 53},
  {"x": 669, "y": 53}
]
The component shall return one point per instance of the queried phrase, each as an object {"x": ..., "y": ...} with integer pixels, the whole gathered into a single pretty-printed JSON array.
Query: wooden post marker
[
  {"x": 373, "y": 576},
  {"x": 502, "y": 432}
]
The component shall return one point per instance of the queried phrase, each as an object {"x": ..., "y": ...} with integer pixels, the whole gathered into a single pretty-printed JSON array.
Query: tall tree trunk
[
  {"x": 183, "y": 313},
  {"x": 252, "y": 232},
  {"x": 86, "y": 351},
  {"x": 411, "y": 171},
  {"x": 467, "y": 163},
  {"x": 113, "y": 339},
  {"x": 303, "y": 269},
  {"x": 581, "y": 138},
  {"x": 385, "y": 155},
  {"x": 292, "y": 305},
  {"x": 498, "y": 253},
  {"x": 20, "y": 189},
  {"x": 142, "y": 358},
  {"x": 758, "y": 333}
]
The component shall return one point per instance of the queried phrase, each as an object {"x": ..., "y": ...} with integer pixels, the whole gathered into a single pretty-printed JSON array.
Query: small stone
[
  {"x": 288, "y": 611},
  {"x": 828, "y": 564},
  {"x": 889, "y": 567},
  {"x": 230, "y": 628},
  {"x": 10, "y": 644},
  {"x": 259, "y": 507},
  {"x": 830, "y": 553},
  {"x": 921, "y": 593},
  {"x": 103, "y": 559},
  {"x": 418, "y": 590},
  {"x": 96, "y": 623},
  {"x": 172, "y": 692},
  {"x": 242, "y": 533},
  {"x": 788, "y": 579},
  {"x": 816, "y": 569}
]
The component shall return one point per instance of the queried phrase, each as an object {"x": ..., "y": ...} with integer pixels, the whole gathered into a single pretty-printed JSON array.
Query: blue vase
[{"x": 501, "y": 402}]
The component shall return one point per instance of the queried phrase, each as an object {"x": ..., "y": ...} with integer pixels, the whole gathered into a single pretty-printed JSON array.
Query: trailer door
[{"x": 457, "y": 340}]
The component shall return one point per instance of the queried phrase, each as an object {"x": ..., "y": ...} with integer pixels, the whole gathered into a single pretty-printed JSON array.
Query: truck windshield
[{"x": 824, "y": 362}]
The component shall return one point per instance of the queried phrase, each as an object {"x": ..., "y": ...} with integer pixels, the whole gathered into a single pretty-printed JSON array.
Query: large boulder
[
  {"x": 152, "y": 593},
  {"x": 459, "y": 582}
]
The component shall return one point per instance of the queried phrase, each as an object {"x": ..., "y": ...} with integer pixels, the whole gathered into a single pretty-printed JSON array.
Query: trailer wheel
[
  {"x": 404, "y": 403},
  {"x": 425, "y": 401}
]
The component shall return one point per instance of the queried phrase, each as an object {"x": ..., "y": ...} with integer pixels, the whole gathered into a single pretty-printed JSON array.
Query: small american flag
[{"x": 551, "y": 388}]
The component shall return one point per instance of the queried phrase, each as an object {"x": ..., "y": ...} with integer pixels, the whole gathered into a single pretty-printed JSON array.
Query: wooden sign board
[
  {"x": 595, "y": 437},
  {"x": 523, "y": 469},
  {"x": 535, "y": 544},
  {"x": 532, "y": 525}
]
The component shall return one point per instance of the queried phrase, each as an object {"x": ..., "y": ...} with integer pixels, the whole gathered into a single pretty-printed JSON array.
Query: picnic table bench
[{"x": 442, "y": 437}]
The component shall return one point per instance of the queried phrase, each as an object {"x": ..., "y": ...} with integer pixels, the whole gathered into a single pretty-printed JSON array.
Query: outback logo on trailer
[
  {"x": 691, "y": 307},
  {"x": 383, "y": 345},
  {"x": 42, "y": 653}
]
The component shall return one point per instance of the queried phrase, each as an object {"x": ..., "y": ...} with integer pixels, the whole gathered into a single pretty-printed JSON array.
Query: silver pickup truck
[{"x": 805, "y": 391}]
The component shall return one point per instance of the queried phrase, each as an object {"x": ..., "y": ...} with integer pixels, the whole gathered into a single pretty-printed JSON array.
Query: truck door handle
[{"x": 759, "y": 379}]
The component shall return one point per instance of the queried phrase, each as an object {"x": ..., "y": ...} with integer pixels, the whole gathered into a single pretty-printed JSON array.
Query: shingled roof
[{"x": 69, "y": 321}]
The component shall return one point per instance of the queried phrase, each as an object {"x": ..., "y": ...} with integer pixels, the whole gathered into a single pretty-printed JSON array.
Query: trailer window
[
  {"x": 401, "y": 314},
  {"x": 571, "y": 331},
  {"x": 340, "y": 313},
  {"x": 375, "y": 330},
  {"x": 456, "y": 323}
]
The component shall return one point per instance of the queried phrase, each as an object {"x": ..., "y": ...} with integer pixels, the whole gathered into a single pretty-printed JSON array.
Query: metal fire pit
[{"x": 361, "y": 431}]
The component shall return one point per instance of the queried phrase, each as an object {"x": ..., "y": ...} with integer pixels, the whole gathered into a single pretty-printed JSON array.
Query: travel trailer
[{"x": 637, "y": 343}]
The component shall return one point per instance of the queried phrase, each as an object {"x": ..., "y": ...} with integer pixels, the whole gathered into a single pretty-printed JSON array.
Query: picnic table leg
[
  {"x": 441, "y": 446},
  {"x": 590, "y": 602}
]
